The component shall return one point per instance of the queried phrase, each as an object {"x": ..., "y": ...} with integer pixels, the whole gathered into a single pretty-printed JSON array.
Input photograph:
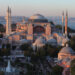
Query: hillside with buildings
[{"x": 36, "y": 46}]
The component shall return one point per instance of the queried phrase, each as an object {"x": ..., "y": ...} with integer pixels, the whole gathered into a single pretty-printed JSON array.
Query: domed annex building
[
  {"x": 65, "y": 56},
  {"x": 65, "y": 52}
]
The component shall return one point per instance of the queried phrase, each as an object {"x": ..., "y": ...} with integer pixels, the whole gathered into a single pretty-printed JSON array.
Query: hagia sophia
[{"x": 37, "y": 30}]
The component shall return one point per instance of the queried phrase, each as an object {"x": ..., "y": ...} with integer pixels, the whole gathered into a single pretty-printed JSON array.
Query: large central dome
[{"x": 38, "y": 18}]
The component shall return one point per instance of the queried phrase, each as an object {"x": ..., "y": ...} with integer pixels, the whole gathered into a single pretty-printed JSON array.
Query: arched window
[{"x": 38, "y": 29}]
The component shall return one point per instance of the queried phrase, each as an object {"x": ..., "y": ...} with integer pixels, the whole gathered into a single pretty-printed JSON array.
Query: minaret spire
[
  {"x": 66, "y": 23},
  {"x": 62, "y": 22},
  {"x": 8, "y": 21},
  {"x": 8, "y": 9}
]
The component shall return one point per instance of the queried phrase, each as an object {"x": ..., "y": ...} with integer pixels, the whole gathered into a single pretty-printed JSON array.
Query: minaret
[
  {"x": 66, "y": 23},
  {"x": 8, "y": 21},
  {"x": 23, "y": 20},
  {"x": 9, "y": 68},
  {"x": 62, "y": 23}
]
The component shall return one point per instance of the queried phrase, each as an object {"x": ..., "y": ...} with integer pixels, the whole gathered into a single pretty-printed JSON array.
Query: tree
[
  {"x": 51, "y": 50},
  {"x": 6, "y": 49},
  {"x": 13, "y": 47},
  {"x": 2, "y": 29},
  {"x": 1, "y": 60},
  {"x": 17, "y": 61},
  {"x": 59, "y": 26},
  {"x": 69, "y": 29},
  {"x": 1, "y": 35},
  {"x": 57, "y": 70},
  {"x": 73, "y": 67},
  {"x": 25, "y": 47},
  {"x": 3, "y": 46},
  {"x": 41, "y": 52},
  {"x": 2, "y": 73},
  {"x": 21, "y": 73},
  {"x": 52, "y": 22},
  {"x": 13, "y": 27},
  {"x": 72, "y": 43},
  {"x": 8, "y": 46}
]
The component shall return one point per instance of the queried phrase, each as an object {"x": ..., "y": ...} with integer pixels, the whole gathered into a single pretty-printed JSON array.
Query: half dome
[
  {"x": 51, "y": 40},
  {"x": 39, "y": 42},
  {"x": 23, "y": 41}
]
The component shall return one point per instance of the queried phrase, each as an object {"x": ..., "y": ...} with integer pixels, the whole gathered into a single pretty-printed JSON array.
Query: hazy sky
[{"x": 45, "y": 7}]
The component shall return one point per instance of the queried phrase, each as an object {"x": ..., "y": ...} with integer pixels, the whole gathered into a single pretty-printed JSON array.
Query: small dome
[
  {"x": 67, "y": 50},
  {"x": 38, "y": 18},
  {"x": 23, "y": 41},
  {"x": 51, "y": 40}
]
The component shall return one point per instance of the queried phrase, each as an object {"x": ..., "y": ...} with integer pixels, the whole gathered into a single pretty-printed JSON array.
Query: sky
[{"x": 45, "y": 7}]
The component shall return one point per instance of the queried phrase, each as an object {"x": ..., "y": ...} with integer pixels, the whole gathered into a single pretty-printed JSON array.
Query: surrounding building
[
  {"x": 66, "y": 52},
  {"x": 65, "y": 56}
]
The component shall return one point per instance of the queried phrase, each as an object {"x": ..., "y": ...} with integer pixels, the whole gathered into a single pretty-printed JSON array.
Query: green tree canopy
[
  {"x": 72, "y": 43},
  {"x": 52, "y": 51},
  {"x": 58, "y": 26},
  {"x": 5, "y": 51},
  {"x": 2, "y": 73},
  {"x": 13, "y": 26},
  {"x": 57, "y": 70},
  {"x": 2, "y": 29},
  {"x": 25, "y": 47},
  {"x": 52, "y": 22},
  {"x": 73, "y": 67},
  {"x": 69, "y": 29}
]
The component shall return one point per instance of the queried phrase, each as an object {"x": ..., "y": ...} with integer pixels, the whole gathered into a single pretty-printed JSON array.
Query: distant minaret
[
  {"x": 8, "y": 21},
  {"x": 23, "y": 20},
  {"x": 62, "y": 23},
  {"x": 66, "y": 23}
]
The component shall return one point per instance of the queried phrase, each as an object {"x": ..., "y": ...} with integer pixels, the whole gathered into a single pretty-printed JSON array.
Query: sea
[{"x": 56, "y": 19}]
